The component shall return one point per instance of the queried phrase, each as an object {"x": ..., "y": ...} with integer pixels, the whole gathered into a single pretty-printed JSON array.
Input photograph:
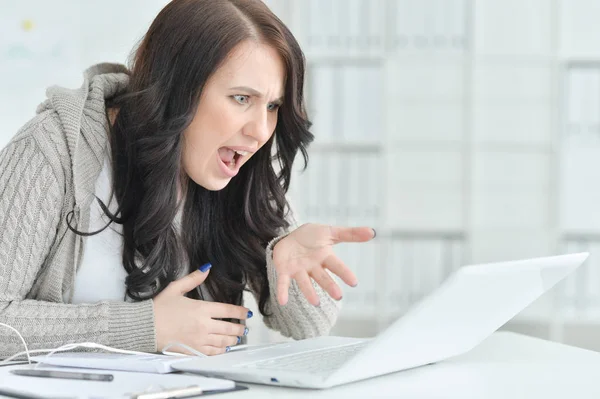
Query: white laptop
[{"x": 467, "y": 308}]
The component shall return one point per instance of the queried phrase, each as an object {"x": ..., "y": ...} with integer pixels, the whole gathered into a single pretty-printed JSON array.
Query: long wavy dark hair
[{"x": 230, "y": 228}]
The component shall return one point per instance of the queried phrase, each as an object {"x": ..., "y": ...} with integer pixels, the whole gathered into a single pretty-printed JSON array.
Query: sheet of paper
[{"x": 124, "y": 384}]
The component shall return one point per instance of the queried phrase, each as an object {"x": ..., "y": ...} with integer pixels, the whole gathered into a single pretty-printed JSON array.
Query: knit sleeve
[
  {"x": 298, "y": 319},
  {"x": 31, "y": 198}
]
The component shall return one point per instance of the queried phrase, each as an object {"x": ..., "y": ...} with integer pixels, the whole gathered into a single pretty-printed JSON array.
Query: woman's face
[{"x": 236, "y": 115}]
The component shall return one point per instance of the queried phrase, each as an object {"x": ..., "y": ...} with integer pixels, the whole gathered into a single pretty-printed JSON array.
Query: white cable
[
  {"x": 189, "y": 348},
  {"x": 22, "y": 340},
  {"x": 94, "y": 345},
  {"x": 69, "y": 347}
]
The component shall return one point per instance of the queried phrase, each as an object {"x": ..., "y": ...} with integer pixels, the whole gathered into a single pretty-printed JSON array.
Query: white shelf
[
  {"x": 344, "y": 59},
  {"x": 580, "y": 235},
  {"x": 346, "y": 146},
  {"x": 514, "y": 147},
  {"x": 422, "y": 234},
  {"x": 512, "y": 59},
  {"x": 581, "y": 61},
  {"x": 419, "y": 57}
]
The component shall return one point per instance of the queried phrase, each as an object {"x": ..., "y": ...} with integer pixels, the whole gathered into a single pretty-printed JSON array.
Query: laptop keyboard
[{"x": 322, "y": 361}]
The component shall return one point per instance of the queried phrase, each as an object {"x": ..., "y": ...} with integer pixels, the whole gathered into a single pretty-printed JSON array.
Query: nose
[{"x": 259, "y": 127}]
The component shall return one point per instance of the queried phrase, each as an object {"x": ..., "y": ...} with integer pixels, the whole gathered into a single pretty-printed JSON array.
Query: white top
[{"x": 101, "y": 276}]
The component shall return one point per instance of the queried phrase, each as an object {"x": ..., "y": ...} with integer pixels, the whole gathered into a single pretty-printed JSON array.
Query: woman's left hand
[{"x": 307, "y": 251}]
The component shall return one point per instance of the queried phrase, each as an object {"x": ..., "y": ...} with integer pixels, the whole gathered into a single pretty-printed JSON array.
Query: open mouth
[{"x": 231, "y": 158}]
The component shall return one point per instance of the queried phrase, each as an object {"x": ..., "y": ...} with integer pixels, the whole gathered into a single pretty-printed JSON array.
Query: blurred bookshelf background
[{"x": 464, "y": 131}]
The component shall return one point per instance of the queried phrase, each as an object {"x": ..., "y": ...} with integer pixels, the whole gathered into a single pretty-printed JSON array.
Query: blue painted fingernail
[
  {"x": 250, "y": 314},
  {"x": 227, "y": 349},
  {"x": 239, "y": 340},
  {"x": 246, "y": 331},
  {"x": 374, "y": 233},
  {"x": 204, "y": 268}
]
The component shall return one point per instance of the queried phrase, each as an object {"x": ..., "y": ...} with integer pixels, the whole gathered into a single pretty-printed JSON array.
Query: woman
[{"x": 135, "y": 210}]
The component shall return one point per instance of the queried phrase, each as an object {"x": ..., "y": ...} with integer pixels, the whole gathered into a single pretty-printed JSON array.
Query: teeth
[{"x": 242, "y": 153}]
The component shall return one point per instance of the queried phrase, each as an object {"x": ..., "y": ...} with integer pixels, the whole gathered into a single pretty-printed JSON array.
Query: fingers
[
  {"x": 223, "y": 341},
  {"x": 338, "y": 267},
  {"x": 191, "y": 281},
  {"x": 217, "y": 344},
  {"x": 351, "y": 234},
  {"x": 283, "y": 286},
  {"x": 218, "y": 310},
  {"x": 220, "y": 327},
  {"x": 305, "y": 284},
  {"x": 322, "y": 277},
  {"x": 212, "y": 350}
]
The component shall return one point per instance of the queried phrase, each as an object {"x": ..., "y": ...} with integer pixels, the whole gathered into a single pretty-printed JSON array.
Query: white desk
[{"x": 506, "y": 365}]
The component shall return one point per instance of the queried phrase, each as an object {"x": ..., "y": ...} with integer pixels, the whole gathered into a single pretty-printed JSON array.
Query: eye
[
  {"x": 273, "y": 106},
  {"x": 241, "y": 98}
]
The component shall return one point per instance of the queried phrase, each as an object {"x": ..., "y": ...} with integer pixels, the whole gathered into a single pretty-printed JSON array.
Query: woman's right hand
[{"x": 192, "y": 322}]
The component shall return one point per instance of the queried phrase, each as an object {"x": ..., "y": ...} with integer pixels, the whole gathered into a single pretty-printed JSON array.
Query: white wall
[{"x": 43, "y": 43}]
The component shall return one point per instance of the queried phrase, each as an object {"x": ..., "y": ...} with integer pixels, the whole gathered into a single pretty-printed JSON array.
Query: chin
[
  {"x": 215, "y": 185},
  {"x": 209, "y": 181}
]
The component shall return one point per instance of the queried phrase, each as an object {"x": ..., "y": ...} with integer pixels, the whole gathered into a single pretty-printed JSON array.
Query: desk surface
[{"x": 506, "y": 365}]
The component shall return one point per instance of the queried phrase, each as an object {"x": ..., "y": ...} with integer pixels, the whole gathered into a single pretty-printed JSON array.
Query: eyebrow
[{"x": 255, "y": 92}]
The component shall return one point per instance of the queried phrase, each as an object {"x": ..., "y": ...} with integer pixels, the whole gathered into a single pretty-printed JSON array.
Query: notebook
[{"x": 147, "y": 363}]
